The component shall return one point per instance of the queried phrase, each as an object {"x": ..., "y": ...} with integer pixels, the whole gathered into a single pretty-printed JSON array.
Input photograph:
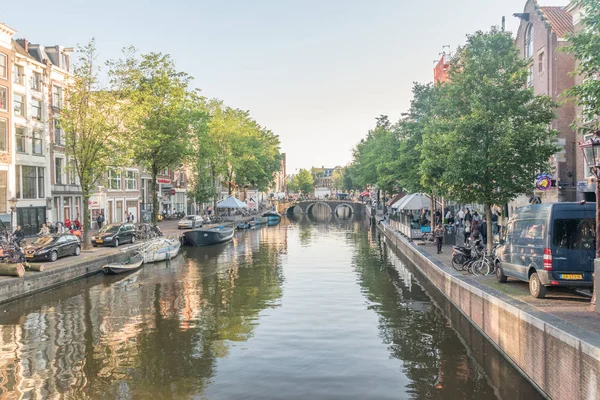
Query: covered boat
[
  {"x": 132, "y": 264},
  {"x": 205, "y": 237},
  {"x": 160, "y": 249},
  {"x": 260, "y": 220},
  {"x": 272, "y": 216}
]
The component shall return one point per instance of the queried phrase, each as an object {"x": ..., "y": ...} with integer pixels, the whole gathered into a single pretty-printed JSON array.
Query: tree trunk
[
  {"x": 488, "y": 227},
  {"x": 432, "y": 213},
  {"x": 12, "y": 270},
  {"x": 154, "y": 196},
  {"x": 35, "y": 267},
  {"x": 86, "y": 223}
]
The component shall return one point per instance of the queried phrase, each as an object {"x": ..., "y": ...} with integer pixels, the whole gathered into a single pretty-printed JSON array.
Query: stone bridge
[{"x": 305, "y": 206}]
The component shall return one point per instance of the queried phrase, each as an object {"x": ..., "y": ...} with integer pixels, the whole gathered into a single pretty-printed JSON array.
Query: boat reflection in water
[{"x": 244, "y": 319}]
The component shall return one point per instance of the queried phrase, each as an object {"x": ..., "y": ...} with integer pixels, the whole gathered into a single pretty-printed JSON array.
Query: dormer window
[
  {"x": 64, "y": 61},
  {"x": 529, "y": 41}
]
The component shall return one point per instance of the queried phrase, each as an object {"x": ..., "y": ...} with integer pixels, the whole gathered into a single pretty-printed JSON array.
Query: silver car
[{"x": 190, "y": 222}]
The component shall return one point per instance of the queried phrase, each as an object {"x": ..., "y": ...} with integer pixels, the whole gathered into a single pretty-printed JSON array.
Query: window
[
  {"x": 18, "y": 181},
  {"x": 114, "y": 179},
  {"x": 18, "y": 74},
  {"x": 541, "y": 62},
  {"x": 530, "y": 77},
  {"x": 529, "y": 232},
  {"x": 58, "y": 133},
  {"x": 19, "y": 105},
  {"x": 58, "y": 169},
  {"x": 3, "y": 66},
  {"x": 37, "y": 142},
  {"x": 20, "y": 139},
  {"x": 131, "y": 179},
  {"x": 3, "y": 134},
  {"x": 66, "y": 208},
  {"x": 574, "y": 234},
  {"x": 57, "y": 96},
  {"x": 29, "y": 182},
  {"x": 72, "y": 173},
  {"x": 529, "y": 41},
  {"x": 64, "y": 61},
  {"x": 3, "y": 98},
  {"x": 40, "y": 177},
  {"x": 3, "y": 185},
  {"x": 36, "y": 109},
  {"x": 164, "y": 172},
  {"x": 36, "y": 81}
]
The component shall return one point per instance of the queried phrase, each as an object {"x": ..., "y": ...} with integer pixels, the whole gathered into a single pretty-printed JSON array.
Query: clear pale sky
[{"x": 316, "y": 72}]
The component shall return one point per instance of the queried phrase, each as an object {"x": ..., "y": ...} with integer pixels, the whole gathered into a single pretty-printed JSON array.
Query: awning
[
  {"x": 395, "y": 199},
  {"x": 415, "y": 201},
  {"x": 231, "y": 202}
]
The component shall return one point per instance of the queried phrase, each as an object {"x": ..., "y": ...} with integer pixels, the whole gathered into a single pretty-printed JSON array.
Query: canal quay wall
[
  {"x": 559, "y": 358},
  {"x": 12, "y": 288}
]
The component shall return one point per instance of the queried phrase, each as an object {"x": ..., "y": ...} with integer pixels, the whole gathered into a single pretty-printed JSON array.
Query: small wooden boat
[
  {"x": 205, "y": 237},
  {"x": 132, "y": 264}
]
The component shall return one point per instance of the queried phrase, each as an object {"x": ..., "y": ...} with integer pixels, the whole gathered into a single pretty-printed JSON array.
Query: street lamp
[
  {"x": 12, "y": 204},
  {"x": 591, "y": 154}
]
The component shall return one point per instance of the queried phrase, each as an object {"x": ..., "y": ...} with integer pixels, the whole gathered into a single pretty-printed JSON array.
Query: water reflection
[{"x": 305, "y": 309}]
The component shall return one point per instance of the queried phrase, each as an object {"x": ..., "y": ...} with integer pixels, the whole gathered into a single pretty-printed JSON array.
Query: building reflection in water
[{"x": 155, "y": 333}]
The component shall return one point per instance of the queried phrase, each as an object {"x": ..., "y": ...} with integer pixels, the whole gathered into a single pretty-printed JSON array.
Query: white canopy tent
[
  {"x": 415, "y": 201},
  {"x": 231, "y": 202}
]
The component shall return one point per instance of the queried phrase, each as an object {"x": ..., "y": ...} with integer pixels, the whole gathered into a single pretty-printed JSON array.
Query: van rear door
[{"x": 573, "y": 245}]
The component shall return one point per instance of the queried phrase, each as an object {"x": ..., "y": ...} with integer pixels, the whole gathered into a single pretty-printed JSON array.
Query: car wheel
[
  {"x": 133, "y": 239},
  {"x": 116, "y": 242},
  {"x": 77, "y": 250},
  {"x": 500, "y": 277},
  {"x": 536, "y": 289},
  {"x": 53, "y": 256}
]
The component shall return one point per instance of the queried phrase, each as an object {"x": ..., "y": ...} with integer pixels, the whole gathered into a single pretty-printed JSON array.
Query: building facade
[
  {"x": 541, "y": 34},
  {"x": 6, "y": 124},
  {"x": 31, "y": 117}
]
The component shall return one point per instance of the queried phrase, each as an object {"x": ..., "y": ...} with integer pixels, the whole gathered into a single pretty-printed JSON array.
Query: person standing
[
  {"x": 131, "y": 217},
  {"x": 467, "y": 231},
  {"x": 483, "y": 230},
  {"x": 476, "y": 217},
  {"x": 44, "y": 231},
  {"x": 461, "y": 217},
  {"x": 100, "y": 220},
  {"x": 439, "y": 237},
  {"x": 18, "y": 235},
  {"x": 468, "y": 216}
]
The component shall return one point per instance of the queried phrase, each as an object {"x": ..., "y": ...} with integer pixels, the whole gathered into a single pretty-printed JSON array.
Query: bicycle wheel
[
  {"x": 476, "y": 267},
  {"x": 485, "y": 268},
  {"x": 458, "y": 262}
]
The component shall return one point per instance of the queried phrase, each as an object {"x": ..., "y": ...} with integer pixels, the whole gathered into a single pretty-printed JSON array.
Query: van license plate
[{"x": 571, "y": 276}]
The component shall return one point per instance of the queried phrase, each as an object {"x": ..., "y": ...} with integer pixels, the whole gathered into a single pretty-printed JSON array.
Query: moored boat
[
  {"x": 205, "y": 237},
  {"x": 244, "y": 225},
  {"x": 132, "y": 264},
  {"x": 272, "y": 216},
  {"x": 160, "y": 249},
  {"x": 260, "y": 220}
]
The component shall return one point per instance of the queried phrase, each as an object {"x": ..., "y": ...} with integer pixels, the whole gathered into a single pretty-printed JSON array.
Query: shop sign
[
  {"x": 543, "y": 181},
  {"x": 163, "y": 180}
]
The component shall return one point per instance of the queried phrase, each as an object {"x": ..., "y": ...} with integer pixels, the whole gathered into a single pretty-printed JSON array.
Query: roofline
[{"x": 7, "y": 29}]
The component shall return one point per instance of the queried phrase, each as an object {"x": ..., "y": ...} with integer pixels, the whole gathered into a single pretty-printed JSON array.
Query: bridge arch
[
  {"x": 290, "y": 210},
  {"x": 344, "y": 205},
  {"x": 311, "y": 205}
]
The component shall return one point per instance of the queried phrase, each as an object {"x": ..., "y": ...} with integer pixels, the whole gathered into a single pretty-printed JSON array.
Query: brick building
[
  {"x": 541, "y": 33},
  {"x": 6, "y": 143}
]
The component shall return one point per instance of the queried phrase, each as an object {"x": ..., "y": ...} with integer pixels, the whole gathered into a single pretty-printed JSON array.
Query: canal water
[{"x": 308, "y": 309}]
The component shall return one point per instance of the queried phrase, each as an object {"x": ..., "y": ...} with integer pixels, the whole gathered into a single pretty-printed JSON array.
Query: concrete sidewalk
[{"x": 563, "y": 303}]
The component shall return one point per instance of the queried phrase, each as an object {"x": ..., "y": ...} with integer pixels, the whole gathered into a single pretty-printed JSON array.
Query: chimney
[{"x": 24, "y": 44}]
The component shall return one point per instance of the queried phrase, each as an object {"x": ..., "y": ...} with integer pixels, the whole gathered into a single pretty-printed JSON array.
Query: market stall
[{"x": 411, "y": 215}]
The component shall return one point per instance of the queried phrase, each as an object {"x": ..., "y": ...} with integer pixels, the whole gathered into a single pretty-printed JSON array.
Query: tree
[
  {"x": 164, "y": 113},
  {"x": 585, "y": 46},
  {"x": 338, "y": 178},
  {"x": 92, "y": 121},
  {"x": 304, "y": 181},
  {"x": 490, "y": 132}
]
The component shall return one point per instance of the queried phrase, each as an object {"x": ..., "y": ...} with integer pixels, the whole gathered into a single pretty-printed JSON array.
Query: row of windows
[
  {"x": 30, "y": 182},
  {"x": 115, "y": 179},
  {"x": 20, "y": 105},
  {"x": 22, "y": 138}
]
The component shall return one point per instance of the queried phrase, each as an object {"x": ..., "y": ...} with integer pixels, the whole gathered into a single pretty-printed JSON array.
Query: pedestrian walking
[
  {"x": 483, "y": 230},
  {"x": 449, "y": 219},
  {"x": 476, "y": 217},
  {"x": 461, "y": 217},
  {"x": 439, "y": 237},
  {"x": 131, "y": 217}
]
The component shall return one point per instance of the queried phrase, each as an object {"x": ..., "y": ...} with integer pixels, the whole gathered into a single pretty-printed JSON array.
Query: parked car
[
  {"x": 549, "y": 245},
  {"x": 114, "y": 235},
  {"x": 51, "y": 247},
  {"x": 191, "y": 221}
]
